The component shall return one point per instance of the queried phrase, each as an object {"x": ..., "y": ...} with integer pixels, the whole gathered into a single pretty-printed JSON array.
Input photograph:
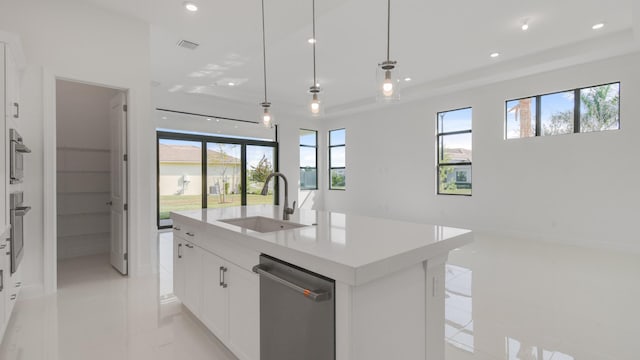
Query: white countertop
[{"x": 350, "y": 248}]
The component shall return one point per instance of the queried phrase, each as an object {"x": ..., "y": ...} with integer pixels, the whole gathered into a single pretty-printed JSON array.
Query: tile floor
[{"x": 506, "y": 300}]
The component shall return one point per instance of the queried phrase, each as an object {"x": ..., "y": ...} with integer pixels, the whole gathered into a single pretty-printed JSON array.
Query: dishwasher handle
[{"x": 315, "y": 295}]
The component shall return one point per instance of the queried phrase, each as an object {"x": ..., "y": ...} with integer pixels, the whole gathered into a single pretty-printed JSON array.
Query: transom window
[{"x": 595, "y": 108}]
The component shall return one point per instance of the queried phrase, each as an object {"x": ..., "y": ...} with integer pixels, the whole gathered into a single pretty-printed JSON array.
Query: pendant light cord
[
  {"x": 264, "y": 55},
  {"x": 388, "y": 26},
  {"x": 313, "y": 12}
]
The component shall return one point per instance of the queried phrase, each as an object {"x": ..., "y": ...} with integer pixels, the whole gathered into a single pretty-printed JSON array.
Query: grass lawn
[
  {"x": 191, "y": 202},
  {"x": 456, "y": 192}
]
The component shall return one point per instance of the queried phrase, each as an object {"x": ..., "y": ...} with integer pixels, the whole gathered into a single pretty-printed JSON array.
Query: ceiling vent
[{"x": 188, "y": 44}]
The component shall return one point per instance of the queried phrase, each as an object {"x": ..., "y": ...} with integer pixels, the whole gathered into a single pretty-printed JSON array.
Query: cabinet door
[
  {"x": 178, "y": 267},
  {"x": 4, "y": 146},
  {"x": 192, "y": 256},
  {"x": 244, "y": 313},
  {"x": 215, "y": 300},
  {"x": 4, "y": 276}
]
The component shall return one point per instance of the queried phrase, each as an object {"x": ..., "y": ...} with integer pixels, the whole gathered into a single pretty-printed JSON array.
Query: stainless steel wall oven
[
  {"x": 17, "y": 229},
  {"x": 15, "y": 155}
]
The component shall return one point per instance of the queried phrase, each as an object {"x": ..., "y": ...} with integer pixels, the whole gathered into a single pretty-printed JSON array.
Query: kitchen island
[{"x": 389, "y": 277}]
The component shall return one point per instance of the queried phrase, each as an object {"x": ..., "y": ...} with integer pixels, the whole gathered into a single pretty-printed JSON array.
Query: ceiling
[{"x": 437, "y": 44}]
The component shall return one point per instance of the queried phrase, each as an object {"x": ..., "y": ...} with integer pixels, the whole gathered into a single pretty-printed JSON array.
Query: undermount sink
[{"x": 262, "y": 224}]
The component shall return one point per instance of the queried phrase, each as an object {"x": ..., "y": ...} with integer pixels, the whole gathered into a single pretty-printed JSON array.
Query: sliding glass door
[
  {"x": 260, "y": 163},
  {"x": 224, "y": 175},
  {"x": 199, "y": 171},
  {"x": 180, "y": 177}
]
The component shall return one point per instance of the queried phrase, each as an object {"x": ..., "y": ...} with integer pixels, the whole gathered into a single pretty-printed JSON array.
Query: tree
[
  {"x": 600, "y": 111},
  {"x": 260, "y": 172},
  {"x": 561, "y": 123},
  {"x": 522, "y": 112}
]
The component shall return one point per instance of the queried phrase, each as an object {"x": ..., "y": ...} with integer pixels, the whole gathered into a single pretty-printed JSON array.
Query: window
[
  {"x": 595, "y": 108},
  {"x": 454, "y": 152},
  {"x": 308, "y": 159},
  {"x": 337, "y": 159},
  {"x": 200, "y": 171}
]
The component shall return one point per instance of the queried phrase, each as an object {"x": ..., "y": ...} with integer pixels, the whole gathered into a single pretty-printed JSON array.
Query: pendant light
[
  {"x": 388, "y": 83},
  {"x": 266, "y": 119},
  {"x": 316, "y": 109}
]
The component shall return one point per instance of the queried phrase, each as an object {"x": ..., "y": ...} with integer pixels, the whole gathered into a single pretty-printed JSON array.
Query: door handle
[
  {"x": 179, "y": 251},
  {"x": 22, "y": 210},
  {"x": 17, "y": 115},
  {"x": 314, "y": 295},
  {"x": 109, "y": 203},
  {"x": 221, "y": 274},
  {"x": 190, "y": 234}
]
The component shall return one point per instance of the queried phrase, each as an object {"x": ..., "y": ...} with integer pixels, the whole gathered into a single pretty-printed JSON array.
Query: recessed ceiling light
[
  {"x": 231, "y": 84},
  {"x": 217, "y": 120},
  {"x": 407, "y": 79},
  {"x": 208, "y": 119},
  {"x": 164, "y": 118},
  {"x": 597, "y": 26},
  {"x": 525, "y": 27},
  {"x": 311, "y": 41},
  {"x": 190, "y": 6},
  {"x": 494, "y": 55}
]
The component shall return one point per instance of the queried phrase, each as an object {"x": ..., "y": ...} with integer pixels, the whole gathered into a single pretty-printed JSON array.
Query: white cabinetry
[
  {"x": 192, "y": 256},
  {"x": 222, "y": 294},
  {"x": 214, "y": 314},
  {"x": 244, "y": 312},
  {"x": 10, "y": 109}
]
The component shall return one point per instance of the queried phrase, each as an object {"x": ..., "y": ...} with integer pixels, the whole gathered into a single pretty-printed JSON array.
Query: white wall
[
  {"x": 78, "y": 41},
  {"x": 578, "y": 188},
  {"x": 83, "y": 168}
]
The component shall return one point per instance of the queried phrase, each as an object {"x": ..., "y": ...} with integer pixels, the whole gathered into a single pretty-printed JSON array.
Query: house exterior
[
  {"x": 461, "y": 174},
  {"x": 181, "y": 168}
]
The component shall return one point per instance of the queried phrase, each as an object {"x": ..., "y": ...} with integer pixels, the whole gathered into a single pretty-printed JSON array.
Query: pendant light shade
[
  {"x": 265, "y": 115},
  {"x": 314, "y": 106},
  {"x": 266, "y": 119},
  {"x": 388, "y": 76}
]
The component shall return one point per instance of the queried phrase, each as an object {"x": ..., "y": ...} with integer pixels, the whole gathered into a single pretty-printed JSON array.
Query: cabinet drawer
[{"x": 186, "y": 232}]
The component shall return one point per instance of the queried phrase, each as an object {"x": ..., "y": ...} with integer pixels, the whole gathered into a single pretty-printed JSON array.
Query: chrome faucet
[{"x": 287, "y": 210}]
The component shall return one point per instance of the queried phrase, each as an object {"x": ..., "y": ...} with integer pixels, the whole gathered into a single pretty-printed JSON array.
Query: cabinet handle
[
  {"x": 223, "y": 270},
  {"x": 189, "y": 246},
  {"x": 1, "y": 280},
  {"x": 3, "y": 246},
  {"x": 18, "y": 284},
  {"x": 179, "y": 251},
  {"x": 17, "y": 115},
  {"x": 13, "y": 296},
  {"x": 190, "y": 234},
  {"x": 176, "y": 228}
]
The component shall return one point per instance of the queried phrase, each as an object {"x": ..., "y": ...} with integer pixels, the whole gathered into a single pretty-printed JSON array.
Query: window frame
[
  {"x": 576, "y": 111},
  {"x": 316, "y": 159},
  {"x": 329, "y": 157},
  {"x": 440, "y": 148},
  {"x": 204, "y": 140}
]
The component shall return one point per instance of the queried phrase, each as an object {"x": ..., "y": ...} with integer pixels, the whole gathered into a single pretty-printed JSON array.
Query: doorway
[{"x": 91, "y": 181}]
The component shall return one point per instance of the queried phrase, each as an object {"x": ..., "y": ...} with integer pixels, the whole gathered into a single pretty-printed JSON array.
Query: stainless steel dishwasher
[{"x": 297, "y": 312}]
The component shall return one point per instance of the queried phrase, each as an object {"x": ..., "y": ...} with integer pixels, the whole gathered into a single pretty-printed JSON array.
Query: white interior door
[{"x": 118, "y": 202}]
